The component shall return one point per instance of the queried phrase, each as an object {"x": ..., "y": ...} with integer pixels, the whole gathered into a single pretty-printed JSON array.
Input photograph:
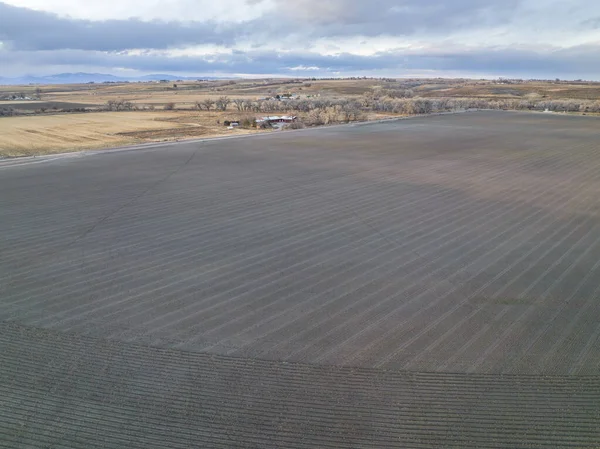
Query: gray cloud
[
  {"x": 395, "y": 17},
  {"x": 578, "y": 62},
  {"x": 593, "y": 23},
  {"x": 34, "y": 40},
  {"x": 25, "y": 29}
]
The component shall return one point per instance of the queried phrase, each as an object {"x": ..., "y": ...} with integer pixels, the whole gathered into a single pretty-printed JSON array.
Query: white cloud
[{"x": 303, "y": 68}]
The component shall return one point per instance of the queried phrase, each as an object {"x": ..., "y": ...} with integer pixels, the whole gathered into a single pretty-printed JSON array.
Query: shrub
[
  {"x": 265, "y": 125},
  {"x": 169, "y": 106},
  {"x": 295, "y": 125},
  {"x": 248, "y": 123},
  {"x": 7, "y": 112}
]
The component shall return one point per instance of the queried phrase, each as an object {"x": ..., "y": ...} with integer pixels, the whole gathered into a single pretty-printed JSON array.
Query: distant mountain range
[{"x": 73, "y": 78}]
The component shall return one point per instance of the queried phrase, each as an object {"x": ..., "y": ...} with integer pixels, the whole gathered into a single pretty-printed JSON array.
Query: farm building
[{"x": 277, "y": 119}]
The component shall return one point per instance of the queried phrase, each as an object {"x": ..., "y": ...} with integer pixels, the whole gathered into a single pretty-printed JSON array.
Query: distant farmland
[
  {"x": 430, "y": 282},
  {"x": 47, "y": 119}
]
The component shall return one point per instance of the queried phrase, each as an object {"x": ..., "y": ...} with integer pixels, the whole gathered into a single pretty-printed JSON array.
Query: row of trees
[
  {"x": 120, "y": 105},
  {"x": 394, "y": 101},
  {"x": 220, "y": 104},
  {"x": 429, "y": 105},
  {"x": 7, "y": 112},
  {"x": 411, "y": 105},
  {"x": 322, "y": 111},
  {"x": 8, "y": 96}
]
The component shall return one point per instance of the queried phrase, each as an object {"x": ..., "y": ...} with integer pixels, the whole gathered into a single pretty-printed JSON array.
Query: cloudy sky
[{"x": 404, "y": 38}]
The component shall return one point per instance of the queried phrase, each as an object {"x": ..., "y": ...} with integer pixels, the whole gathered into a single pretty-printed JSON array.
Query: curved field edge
[{"x": 83, "y": 392}]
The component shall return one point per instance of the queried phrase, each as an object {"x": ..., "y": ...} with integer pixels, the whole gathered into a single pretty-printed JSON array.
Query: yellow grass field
[{"x": 47, "y": 134}]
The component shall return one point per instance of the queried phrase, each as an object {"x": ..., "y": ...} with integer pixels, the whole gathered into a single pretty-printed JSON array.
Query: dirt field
[
  {"x": 434, "y": 244},
  {"x": 430, "y": 282},
  {"x": 56, "y": 133}
]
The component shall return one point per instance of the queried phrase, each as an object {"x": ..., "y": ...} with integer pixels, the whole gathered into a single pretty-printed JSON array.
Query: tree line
[{"x": 317, "y": 111}]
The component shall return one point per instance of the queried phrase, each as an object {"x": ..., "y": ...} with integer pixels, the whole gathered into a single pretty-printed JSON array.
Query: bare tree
[
  {"x": 315, "y": 117},
  {"x": 351, "y": 111},
  {"x": 270, "y": 106},
  {"x": 222, "y": 103},
  {"x": 368, "y": 100},
  {"x": 239, "y": 104},
  {"x": 208, "y": 104},
  {"x": 422, "y": 106},
  {"x": 254, "y": 106},
  {"x": 205, "y": 104}
]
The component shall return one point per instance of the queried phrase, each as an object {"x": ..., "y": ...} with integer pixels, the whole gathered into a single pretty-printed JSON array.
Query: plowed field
[{"x": 431, "y": 282}]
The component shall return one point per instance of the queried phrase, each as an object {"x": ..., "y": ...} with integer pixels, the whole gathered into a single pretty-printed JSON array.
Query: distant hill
[{"x": 74, "y": 78}]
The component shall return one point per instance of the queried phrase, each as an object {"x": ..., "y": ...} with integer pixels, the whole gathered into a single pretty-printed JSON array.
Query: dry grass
[
  {"x": 189, "y": 92},
  {"x": 488, "y": 89},
  {"x": 28, "y": 135}
]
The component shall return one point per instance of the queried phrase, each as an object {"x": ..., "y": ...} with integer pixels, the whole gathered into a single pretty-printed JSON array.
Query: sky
[{"x": 303, "y": 38}]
